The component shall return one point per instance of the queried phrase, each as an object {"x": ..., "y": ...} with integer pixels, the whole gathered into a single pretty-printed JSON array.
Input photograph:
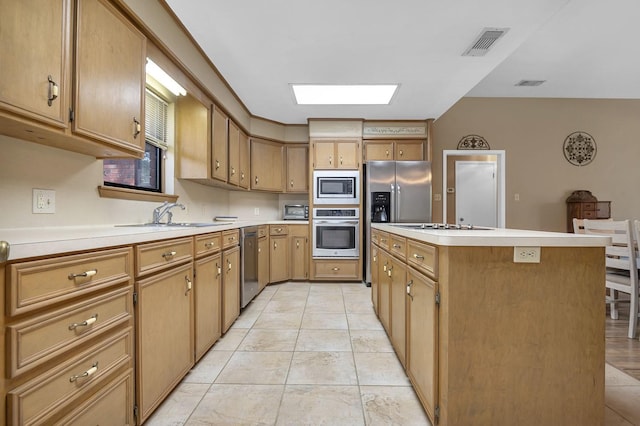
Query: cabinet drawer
[
  {"x": 336, "y": 268},
  {"x": 375, "y": 236},
  {"x": 422, "y": 256},
  {"x": 40, "y": 283},
  {"x": 398, "y": 246},
  {"x": 208, "y": 243},
  {"x": 39, "y": 339},
  {"x": 589, "y": 214},
  {"x": 278, "y": 229},
  {"x": 383, "y": 240},
  {"x": 230, "y": 238},
  {"x": 588, "y": 206},
  {"x": 262, "y": 231},
  {"x": 113, "y": 405},
  {"x": 153, "y": 257},
  {"x": 45, "y": 396}
]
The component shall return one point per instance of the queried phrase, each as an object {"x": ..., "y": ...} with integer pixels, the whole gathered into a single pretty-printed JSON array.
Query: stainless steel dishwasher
[{"x": 249, "y": 264}]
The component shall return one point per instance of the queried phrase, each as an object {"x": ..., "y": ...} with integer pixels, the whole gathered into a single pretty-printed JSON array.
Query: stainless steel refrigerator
[{"x": 396, "y": 191}]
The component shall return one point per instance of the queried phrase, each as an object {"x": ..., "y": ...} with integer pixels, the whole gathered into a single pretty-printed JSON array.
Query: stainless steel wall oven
[{"x": 336, "y": 232}]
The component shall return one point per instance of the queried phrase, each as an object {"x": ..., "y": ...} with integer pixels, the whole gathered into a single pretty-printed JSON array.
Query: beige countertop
[
  {"x": 495, "y": 237},
  {"x": 45, "y": 241}
]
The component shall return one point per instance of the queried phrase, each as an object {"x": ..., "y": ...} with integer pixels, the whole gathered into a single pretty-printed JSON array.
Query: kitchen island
[{"x": 487, "y": 340}]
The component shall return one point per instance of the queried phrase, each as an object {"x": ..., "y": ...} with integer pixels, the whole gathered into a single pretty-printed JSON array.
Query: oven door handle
[{"x": 353, "y": 222}]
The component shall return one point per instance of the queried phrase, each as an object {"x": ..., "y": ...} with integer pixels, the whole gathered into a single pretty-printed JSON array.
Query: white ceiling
[{"x": 582, "y": 48}]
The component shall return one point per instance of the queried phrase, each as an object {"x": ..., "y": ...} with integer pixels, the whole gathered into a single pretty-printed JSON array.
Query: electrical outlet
[
  {"x": 526, "y": 254},
  {"x": 44, "y": 201},
  {"x": 256, "y": 211}
]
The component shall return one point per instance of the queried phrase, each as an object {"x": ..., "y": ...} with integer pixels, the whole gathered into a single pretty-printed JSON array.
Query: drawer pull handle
[
  {"x": 217, "y": 164},
  {"x": 85, "y": 274},
  {"x": 87, "y": 373},
  {"x": 383, "y": 240},
  {"x": 169, "y": 254},
  {"x": 396, "y": 246},
  {"x": 228, "y": 265},
  {"x": 209, "y": 244},
  {"x": 417, "y": 256},
  {"x": 93, "y": 318},
  {"x": 219, "y": 269},
  {"x": 389, "y": 270},
  {"x": 336, "y": 269},
  {"x": 137, "y": 127}
]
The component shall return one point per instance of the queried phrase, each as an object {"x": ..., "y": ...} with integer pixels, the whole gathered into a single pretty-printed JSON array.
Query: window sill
[{"x": 134, "y": 194}]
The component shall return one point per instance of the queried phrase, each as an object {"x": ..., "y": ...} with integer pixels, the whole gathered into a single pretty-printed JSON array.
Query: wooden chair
[{"x": 621, "y": 264}]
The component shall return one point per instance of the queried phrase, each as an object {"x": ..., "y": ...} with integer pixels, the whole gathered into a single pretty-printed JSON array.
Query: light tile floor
[{"x": 313, "y": 354}]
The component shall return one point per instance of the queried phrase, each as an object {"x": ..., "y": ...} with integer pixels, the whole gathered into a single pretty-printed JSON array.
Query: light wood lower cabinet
[
  {"x": 279, "y": 253},
  {"x": 164, "y": 334},
  {"x": 336, "y": 269},
  {"x": 230, "y": 287},
  {"x": 299, "y": 251},
  {"x": 69, "y": 334},
  {"x": 398, "y": 283},
  {"x": 263, "y": 258},
  {"x": 208, "y": 302},
  {"x": 422, "y": 338}
]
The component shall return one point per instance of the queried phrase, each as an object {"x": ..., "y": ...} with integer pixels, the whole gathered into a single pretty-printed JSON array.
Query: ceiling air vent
[
  {"x": 485, "y": 41},
  {"x": 530, "y": 83}
]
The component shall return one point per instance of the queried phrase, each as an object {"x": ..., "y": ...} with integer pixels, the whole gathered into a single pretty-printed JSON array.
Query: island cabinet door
[
  {"x": 398, "y": 277},
  {"x": 384, "y": 291},
  {"x": 422, "y": 339}
]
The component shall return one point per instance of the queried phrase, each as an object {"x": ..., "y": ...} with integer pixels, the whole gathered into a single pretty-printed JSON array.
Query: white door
[{"x": 476, "y": 193}]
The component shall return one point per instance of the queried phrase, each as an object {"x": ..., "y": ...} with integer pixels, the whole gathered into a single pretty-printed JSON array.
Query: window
[{"x": 146, "y": 173}]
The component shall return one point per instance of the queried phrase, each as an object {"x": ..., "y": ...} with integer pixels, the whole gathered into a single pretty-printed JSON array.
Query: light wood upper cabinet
[
  {"x": 193, "y": 138},
  {"x": 234, "y": 154},
  {"x": 109, "y": 76},
  {"x": 336, "y": 153},
  {"x": 297, "y": 168},
  {"x": 219, "y": 145},
  {"x": 267, "y": 160},
  {"x": 245, "y": 161},
  {"x": 399, "y": 150},
  {"x": 35, "y": 45}
]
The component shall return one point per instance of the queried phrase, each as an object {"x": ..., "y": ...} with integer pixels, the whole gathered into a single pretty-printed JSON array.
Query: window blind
[{"x": 156, "y": 120}]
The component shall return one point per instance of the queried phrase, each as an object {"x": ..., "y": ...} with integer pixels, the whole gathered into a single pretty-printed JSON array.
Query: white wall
[{"x": 76, "y": 177}]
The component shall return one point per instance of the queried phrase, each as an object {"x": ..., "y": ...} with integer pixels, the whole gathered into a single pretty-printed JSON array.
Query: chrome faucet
[{"x": 159, "y": 212}]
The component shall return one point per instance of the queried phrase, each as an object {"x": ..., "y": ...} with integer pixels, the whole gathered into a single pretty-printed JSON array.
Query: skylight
[{"x": 343, "y": 94}]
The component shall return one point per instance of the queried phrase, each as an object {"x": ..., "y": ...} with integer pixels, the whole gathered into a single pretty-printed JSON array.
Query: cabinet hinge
[
  {"x": 437, "y": 298},
  {"x": 436, "y": 414},
  {"x": 135, "y": 298},
  {"x": 72, "y": 115}
]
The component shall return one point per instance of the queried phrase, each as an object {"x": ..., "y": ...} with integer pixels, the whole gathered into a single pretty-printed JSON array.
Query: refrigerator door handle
[
  {"x": 397, "y": 219},
  {"x": 392, "y": 206}
]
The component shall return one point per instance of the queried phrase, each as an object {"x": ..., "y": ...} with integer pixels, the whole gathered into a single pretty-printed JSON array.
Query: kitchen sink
[
  {"x": 176, "y": 224},
  {"x": 442, "y": 226}
]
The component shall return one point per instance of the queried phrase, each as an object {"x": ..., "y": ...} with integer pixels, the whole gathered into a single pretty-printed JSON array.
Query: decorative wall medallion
[
  {"x": 579, "y": 148},
  {"x": 473, "y": 142}
]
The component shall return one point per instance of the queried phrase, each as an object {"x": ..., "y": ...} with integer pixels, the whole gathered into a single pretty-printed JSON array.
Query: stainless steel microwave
[
  {"x": 296, "y": 212},
  {"x": 336, "y": 187}
]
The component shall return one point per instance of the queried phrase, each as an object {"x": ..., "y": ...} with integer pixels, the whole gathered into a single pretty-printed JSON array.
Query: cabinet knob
[
  {"x": 233, "y": 171},
  {"x": 291, "y": 183},
  {"x": 335, "y": 269},
  {"x": 330, "y": 160},
  {"x": 189, "y": 284},
  {"x": 401, "y": 153},
  {"x": 256, "y": 180}
]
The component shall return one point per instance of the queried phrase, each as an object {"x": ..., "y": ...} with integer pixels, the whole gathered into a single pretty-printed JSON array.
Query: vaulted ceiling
[{"x": 580, "y": 48}]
